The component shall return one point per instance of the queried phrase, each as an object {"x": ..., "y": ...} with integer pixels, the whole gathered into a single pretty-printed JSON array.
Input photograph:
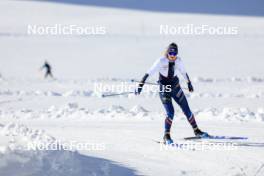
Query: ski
[
  {"x": 234, "y": 143},
  {"x": 217, "y": 137}
]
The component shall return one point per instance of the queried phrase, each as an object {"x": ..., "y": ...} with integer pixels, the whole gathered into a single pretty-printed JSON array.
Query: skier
[
  {"x": 167, "y": 66},
  {"x": 48, "y": 69}
]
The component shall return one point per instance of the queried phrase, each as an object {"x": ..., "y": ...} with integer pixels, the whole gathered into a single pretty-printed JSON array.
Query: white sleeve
[
  {"x": 182, "y": 69},
  {"x": 154, "y": 68}
]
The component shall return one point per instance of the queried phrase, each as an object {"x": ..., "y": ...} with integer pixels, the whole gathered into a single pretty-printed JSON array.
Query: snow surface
[{"x": 226, "y": 71}]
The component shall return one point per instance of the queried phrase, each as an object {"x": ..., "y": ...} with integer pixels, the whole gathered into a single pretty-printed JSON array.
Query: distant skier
[
  {"x": 167, "y": 66},
  {"x": 48, "y": 69}
]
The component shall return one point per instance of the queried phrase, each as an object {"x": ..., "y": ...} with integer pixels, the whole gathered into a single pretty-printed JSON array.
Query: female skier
[{"x": 167, "y": 66}]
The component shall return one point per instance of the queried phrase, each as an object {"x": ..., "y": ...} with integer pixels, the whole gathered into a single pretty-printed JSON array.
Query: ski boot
[
  {"x": 201, "y": 134},
  {"x": 167, "y": 139}
]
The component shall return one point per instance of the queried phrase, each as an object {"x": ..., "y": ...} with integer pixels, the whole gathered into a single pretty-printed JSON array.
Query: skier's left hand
[
  {"x": 190, "y": 87},
  {"x": 139, "y": 89}
]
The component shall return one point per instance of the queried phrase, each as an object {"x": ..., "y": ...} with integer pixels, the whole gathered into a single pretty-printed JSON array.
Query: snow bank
[
  {"x": 56, "y": 163},
  {"x": 73, "y": 111},
  {"x": 248, "y": 79},
  {"x": 28, "y": 135},
  {"x": 232, "y": 114},
  {"x": 16, "y": 158},
  {"x": 90, "y": 93},
  {"x": 87, "y": 89}
]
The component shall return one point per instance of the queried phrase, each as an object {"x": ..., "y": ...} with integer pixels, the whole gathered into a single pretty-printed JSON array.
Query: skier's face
[{"x": 172, "y": 56}]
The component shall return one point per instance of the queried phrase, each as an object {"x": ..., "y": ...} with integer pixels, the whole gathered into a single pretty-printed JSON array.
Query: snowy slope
[
  {"x": 132, "y": 42},
  {"x": 226, "y": 71}
]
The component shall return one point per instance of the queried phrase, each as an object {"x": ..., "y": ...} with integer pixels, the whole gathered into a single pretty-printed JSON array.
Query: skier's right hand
[{"x": 141, "y": 84}]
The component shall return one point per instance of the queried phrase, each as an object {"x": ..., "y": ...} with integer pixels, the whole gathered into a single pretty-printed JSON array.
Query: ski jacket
[{"x": 162, "y": 66}]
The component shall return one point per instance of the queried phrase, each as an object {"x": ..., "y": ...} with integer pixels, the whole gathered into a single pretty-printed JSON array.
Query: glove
[
  {"x": 139, "y": 88},
  {"x": 190, "y": 87},
  {"x": 141, "y": 84}
]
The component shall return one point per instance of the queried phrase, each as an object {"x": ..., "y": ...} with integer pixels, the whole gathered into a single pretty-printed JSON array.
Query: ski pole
[
  {"x": 116, "y": 94},
  {"x": 151, "y": 83},
  {"x": 132, "y": 80}
]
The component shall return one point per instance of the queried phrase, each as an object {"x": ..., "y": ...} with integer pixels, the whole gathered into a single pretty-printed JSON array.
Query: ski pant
[
  {"x": 48, "y": 73},
  {"x": 178, "y": 96}
]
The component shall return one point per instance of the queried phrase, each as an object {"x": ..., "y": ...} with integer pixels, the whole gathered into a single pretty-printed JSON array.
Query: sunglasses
[{"x": 172, "y": 53}]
